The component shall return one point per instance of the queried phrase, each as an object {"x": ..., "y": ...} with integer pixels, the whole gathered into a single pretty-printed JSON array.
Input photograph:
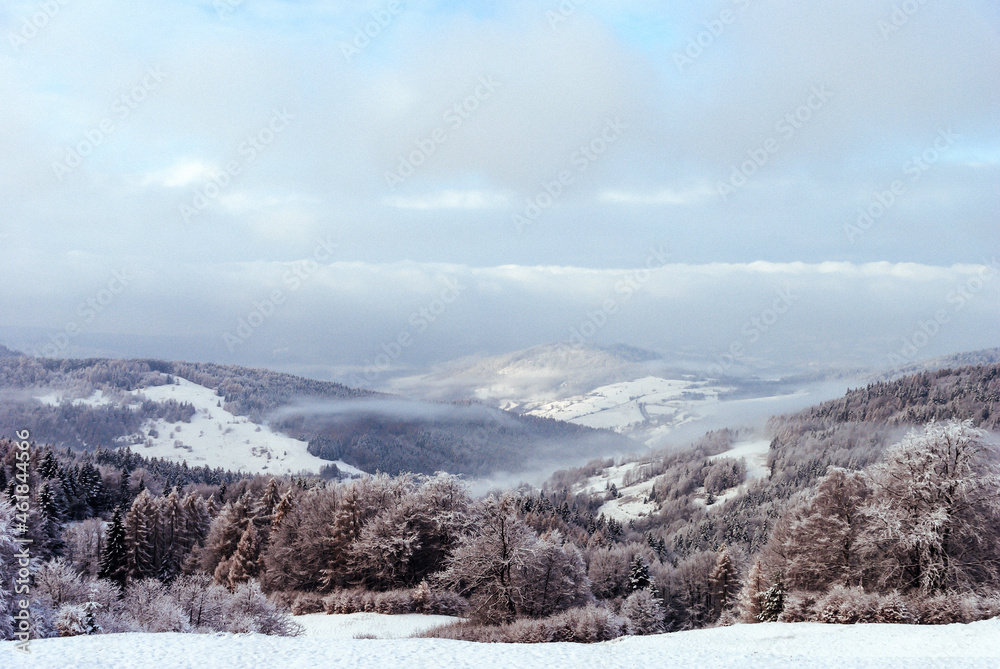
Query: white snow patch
[
  {"x": 218, "y": 438},
  {"x": 652, "y": 403},
  {"x": 768, "y": 645},
  {"x": 755, "y": 454},
  {"x": 380, "y": 625}
]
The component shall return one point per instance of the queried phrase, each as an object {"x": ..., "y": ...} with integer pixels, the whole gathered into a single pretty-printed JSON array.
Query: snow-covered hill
[
  {"x": 770, "y": 646},
  {"x": 631, "y": 391},
  {"x": 214, "y": 437},
  {"x": 633, "y": 483}
]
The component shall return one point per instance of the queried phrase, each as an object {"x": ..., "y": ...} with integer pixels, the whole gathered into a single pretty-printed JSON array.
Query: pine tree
[
  {"x": 773, "y": 602},
  {"x": 114, "y": 559},
  {"x": 638, "y": 575},
  {"x": 52, "y": 508}
]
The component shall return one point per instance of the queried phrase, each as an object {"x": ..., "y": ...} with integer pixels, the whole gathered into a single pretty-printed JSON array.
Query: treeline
[
  {"x": 967, "y": 393},
  {"x": 472, "y": 441}
]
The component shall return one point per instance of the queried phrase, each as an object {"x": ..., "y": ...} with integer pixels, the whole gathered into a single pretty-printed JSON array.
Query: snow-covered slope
[
  {"x": 647, "y": 406},
  {"x": 214, "y": 437},
  {"x": 633, "y": 484},
  {"x": 770, "y": 646}
]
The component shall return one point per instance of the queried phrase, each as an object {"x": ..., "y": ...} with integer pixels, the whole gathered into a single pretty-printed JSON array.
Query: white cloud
[{"x": 450, "y": 199}]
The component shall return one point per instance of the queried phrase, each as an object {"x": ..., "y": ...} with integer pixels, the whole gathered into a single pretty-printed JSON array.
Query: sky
[{"x": 335, "y": 185}]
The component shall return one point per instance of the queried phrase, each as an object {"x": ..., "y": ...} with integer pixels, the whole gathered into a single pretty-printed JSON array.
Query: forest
[
  {"x": 883, "y": 506},
  {"x": 368, "y": 430}
]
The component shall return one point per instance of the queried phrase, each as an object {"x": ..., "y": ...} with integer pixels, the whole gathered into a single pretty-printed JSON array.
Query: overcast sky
[{"x": 350, "y": 160}]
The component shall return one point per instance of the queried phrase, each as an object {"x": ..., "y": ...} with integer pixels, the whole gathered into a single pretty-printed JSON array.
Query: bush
[
  {"x": 847, "y": 606},
  {"x": 416, "y": 600},
  {"x": 306, "y": 602},
  {"x": 587, "y": 624}
]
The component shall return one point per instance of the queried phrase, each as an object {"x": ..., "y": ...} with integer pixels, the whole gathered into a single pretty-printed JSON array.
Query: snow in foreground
[
  {"x": 379, "y": 625},
  {"x": 782, "y": 645}
]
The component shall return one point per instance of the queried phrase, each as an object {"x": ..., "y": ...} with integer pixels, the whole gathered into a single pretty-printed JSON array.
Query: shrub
[
  {"x": 307, "y": 602},
  {"x": 416, "y": 600},
  {"x": 587, "y": 624}
]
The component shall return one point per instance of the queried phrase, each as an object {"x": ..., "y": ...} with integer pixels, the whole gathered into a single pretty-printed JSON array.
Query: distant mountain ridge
[{"x": 101, "y": 402}]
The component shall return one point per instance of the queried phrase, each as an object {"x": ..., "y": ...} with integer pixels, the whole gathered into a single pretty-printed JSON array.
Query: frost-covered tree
[
  {"x": 140, "y": 537},
  {"x": 934, "y": 514},
  {"x": 8, "y": 568},
  {"x": 245, "y": 563},
  {"x": 84, "y": 545},
  {"x": 172, "y": 543},
  {"x": 645, "y": 612},
  {"x": 815, "y": 543},
  {"x": 752, "y": 595},
  {"x": 59, "y": 583},
  {"x": 486, "y": 562},
  {"x": 724, "y": 582},
  {"x": 554, "y": 579}
]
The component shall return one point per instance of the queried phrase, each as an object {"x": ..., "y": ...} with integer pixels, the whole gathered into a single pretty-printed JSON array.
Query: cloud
[{"x": 450, "y": 199}]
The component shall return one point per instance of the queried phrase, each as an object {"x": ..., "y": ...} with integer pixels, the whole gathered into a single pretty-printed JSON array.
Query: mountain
[
  {"x": 258, "y": 420},
  {"x": 631, "y": 391},
  {"x": 8, "y": 353}
]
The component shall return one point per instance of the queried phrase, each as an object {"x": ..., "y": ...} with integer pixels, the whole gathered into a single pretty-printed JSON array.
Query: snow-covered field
[
  {"x": 380, "y": 625},
  {"x": 772, "y": 645},
  {"x": 214, "y": 437},
  {"x": 650, "y": 402}
]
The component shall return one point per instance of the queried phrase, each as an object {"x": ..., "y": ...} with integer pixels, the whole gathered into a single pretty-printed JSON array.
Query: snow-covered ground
[
  {"x": 650, "y": 402},
  {"x": 771, "y": 645},
  {"x": 379, "y": 625},
  {"x": 754, "y": 453},
  {"x": 214, "y": 437}
]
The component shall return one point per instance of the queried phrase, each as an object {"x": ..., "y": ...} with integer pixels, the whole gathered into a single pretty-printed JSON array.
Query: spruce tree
[
  {"x": 114, "y": 561},
  {"x": 638, "y": 575},
  {"x": 773, "y": 602}
]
